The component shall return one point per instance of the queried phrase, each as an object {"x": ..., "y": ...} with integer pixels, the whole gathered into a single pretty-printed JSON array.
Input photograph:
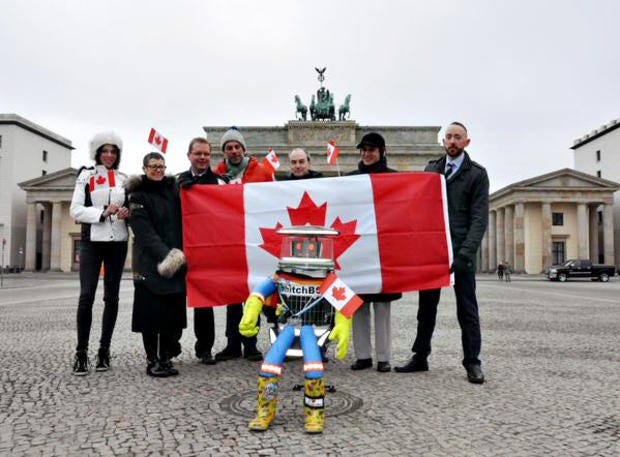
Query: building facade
[
  {"x": 598, "y": 154},
  {"x": 26, "y": 150},
  {"x": 548, "y": 219},
  {"x": 409, "y": 148}
]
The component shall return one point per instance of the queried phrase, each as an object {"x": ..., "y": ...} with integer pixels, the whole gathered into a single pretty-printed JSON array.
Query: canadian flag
[
  {"x": 332, "y": 152},
  {"x": 340, "y": 295},
  {"x": 271, "y": 161},
  {"x": 393, "y": 227},
  {"x": 158, "y": 140}
]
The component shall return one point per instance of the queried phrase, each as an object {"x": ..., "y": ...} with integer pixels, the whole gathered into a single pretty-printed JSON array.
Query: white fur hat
[{"x": 102, "y": 138}]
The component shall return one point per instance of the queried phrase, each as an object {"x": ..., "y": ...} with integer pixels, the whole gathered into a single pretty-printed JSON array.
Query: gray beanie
[{"x": 232, "y": 134}]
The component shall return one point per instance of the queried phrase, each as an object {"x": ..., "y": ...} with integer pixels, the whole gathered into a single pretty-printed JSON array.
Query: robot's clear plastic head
[{"x": 307, "y": 250}]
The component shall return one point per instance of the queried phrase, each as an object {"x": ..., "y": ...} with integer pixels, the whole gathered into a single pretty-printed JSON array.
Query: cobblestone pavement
[{"x": 550, "y": 354}]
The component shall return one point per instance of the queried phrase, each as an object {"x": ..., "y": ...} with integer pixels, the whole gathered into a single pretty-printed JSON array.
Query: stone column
[
  {"x": 31, "y": 237},
  {"x": 593, "y": 229},
  {"x": 519, "y": 238},
  {"x": 608, "y": 234},
  {"x": 492, "y": 241},
  {"x": 47, "y": 237},
  {"x": 501, "y": 241},
  {"x": 509, "y": 236},
  {"x": 484, "y": 252},
  {"x": 582, "y": 231},
  {"x": 56, "y": 236},
  {"x": 547, "y": 258}
]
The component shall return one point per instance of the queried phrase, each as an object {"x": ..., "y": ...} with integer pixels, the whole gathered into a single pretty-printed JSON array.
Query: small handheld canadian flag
[
  {"x": 271, "y": 161},
  {"x": 332, "y": 152},
  {"x": 158, "y": 140},
  {"x": 340, "y": 295}
]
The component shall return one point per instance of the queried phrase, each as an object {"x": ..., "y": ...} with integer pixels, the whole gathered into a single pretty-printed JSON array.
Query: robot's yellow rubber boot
[
  {"x": 267, "y": 401},
  {"x": 314, "y": 405}
]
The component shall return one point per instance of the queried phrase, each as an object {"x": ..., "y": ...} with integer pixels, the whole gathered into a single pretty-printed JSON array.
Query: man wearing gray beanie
[{"x": 239, "y": 169}]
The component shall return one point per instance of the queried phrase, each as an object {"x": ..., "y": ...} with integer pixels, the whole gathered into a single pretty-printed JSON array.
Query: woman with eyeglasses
[
  {"x": 99, "y": 204},
  {"x": 158, "y": 263}
]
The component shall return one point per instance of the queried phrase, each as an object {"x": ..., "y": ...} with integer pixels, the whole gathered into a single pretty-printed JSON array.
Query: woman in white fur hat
[{"x": 100, "y": 205}]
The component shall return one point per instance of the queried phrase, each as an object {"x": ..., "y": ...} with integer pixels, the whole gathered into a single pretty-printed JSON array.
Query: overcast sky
[{"x": 526, "y": 77}]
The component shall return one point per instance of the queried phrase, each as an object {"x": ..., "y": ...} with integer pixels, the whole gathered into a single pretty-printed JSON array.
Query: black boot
[
  {"x": 166, "y": 364},
  {"x": 156, "y": 369},
  {"x": 228, "y": 353},
  {"x": 103, "y": 360},
  {"x": 81, "y": 364},
  {"x": 251, "y": 352}
]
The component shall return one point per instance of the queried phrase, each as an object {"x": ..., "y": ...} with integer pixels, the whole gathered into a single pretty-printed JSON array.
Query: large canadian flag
[{"x": 393, "y": 227}]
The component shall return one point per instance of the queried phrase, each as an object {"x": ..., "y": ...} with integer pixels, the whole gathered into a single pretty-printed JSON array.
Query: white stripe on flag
[{"x": 348, "y": 198}]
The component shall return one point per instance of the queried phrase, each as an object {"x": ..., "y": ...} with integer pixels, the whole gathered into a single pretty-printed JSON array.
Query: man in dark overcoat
[{"x": 467, "y": 186}]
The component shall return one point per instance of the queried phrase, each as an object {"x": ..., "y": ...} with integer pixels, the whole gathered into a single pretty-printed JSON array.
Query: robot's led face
[
  {"x": 302, "y": 247},
  {"x": 306, "y": 248}
]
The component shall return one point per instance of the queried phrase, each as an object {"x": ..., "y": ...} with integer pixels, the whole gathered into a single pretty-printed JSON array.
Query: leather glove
[
  {"x": 251, "y": 310},
  {"x": 342, "y": 333},
  {"x": 461, "y": 264}
]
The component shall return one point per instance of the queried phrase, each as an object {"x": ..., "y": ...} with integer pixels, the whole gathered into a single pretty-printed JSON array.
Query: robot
[{"x": 306, "y": 260}]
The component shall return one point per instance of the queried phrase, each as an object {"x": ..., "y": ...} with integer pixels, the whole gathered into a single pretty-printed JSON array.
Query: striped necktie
[{"x": 449, "y": 169}]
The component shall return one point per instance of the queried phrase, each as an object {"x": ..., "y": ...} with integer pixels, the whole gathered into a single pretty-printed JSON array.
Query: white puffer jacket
[{"x": 95, "y": 189}]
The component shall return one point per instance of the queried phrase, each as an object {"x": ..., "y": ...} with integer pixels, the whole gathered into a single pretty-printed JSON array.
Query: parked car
[{"x": 580, "y": 268}]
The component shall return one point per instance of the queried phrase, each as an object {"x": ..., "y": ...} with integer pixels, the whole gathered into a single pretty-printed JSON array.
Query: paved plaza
[{"x": 550, "y": 355}]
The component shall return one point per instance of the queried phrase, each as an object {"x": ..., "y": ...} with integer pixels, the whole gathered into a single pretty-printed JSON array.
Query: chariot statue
[
  {"x": 344, "y": 109},
  {"x": 322, "y": 107},
  {"x": 301, "y": 110}
]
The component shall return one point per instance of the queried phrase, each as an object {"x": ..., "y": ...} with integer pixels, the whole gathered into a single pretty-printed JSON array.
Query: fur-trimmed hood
[
  {"x": 102, "y": 138},
  {"x": 137, "y": 183}
]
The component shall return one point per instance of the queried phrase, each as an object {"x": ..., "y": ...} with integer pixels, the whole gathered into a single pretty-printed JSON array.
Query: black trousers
[
  {"x": 204, "y": 329},
  {"x": 158, "y": 345},
  {"x": 466, "y": 312},
  {"x": 92, "y": 255},
  {"x": 234, "y": 313}
]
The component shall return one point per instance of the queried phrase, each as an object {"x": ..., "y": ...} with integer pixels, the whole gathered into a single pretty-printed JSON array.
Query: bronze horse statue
[
  {"x": 301, "y": 109},
  {"x": 344, "y": 109}
]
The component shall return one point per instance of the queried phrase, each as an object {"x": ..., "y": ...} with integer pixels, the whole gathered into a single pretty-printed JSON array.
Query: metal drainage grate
[{"x": 290, "y": 404}]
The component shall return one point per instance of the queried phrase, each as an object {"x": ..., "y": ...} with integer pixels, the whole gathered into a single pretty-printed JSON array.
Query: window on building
[
  {"x": 557, "y": 251},
  {"x": 0, "y": 141},
  {"x": 598, "y": 156},
  {"x": 43, "y": 172},
  {"x": 41, "y": 216},
  {"x": 599, "y": 217},
  {"x": 557, "y": 218},
  {"x": 598, "y": 174},
  {"x": 44, "y": 156}
]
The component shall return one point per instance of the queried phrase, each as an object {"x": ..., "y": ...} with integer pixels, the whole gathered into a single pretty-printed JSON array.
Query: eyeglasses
[{"x": 156, "y": 167}]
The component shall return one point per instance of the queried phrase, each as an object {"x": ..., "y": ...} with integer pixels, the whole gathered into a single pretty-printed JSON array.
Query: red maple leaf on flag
[
  {"x": 309, "y": 213},
  {"x": 100, "y": 179},
  {"x": 339, "y": 293},
  {"x": 158, "y": 139}
]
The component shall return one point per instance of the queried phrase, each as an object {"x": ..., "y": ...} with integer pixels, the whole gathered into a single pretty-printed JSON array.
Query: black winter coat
[
  {"x": 186, "y": 179},
  {"x": 155, "y": 219},
  {"x": 379, "y": 167},
  {"x": 311, "y": 175},
  {"x": 468, "y": 205}
]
